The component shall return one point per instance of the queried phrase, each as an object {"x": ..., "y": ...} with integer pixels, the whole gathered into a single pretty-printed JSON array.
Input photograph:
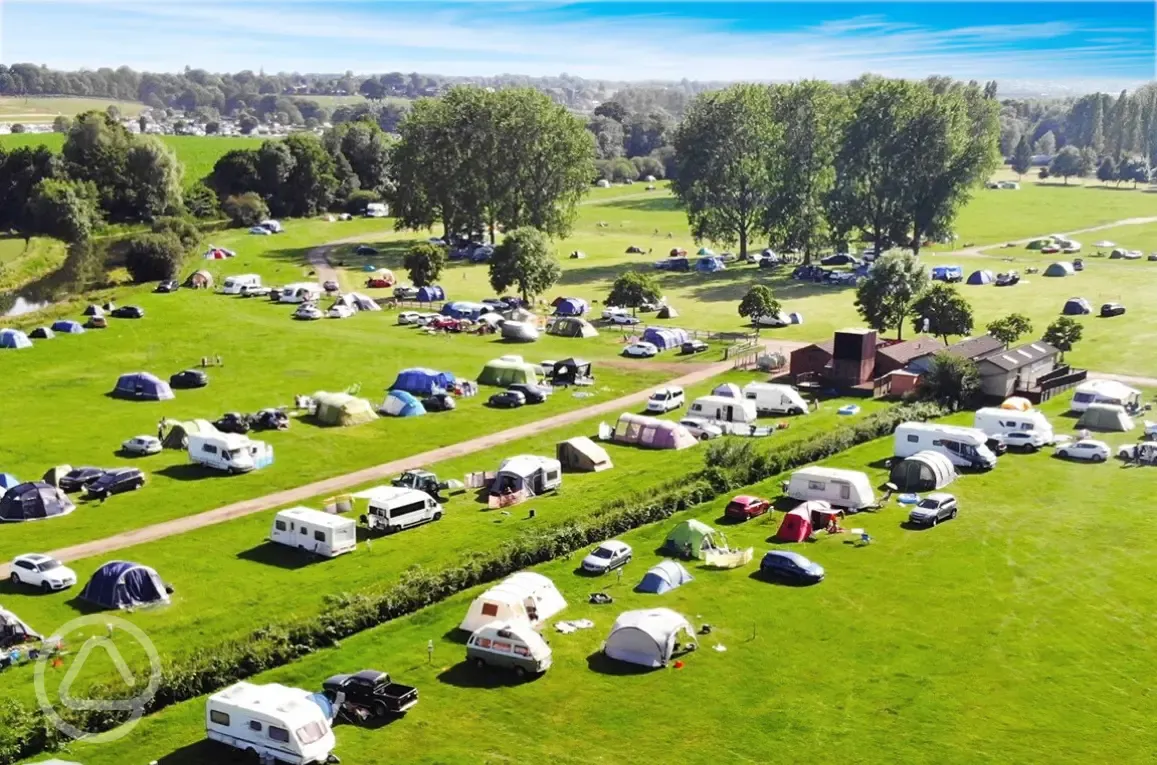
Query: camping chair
[{"x": 865, "y": 539}]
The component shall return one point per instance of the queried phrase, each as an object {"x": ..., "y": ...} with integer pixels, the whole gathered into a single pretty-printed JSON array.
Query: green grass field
[{"x": 44, "y": 109}]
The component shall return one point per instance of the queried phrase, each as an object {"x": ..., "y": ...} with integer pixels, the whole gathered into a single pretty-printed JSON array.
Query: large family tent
[
  {"x": 34, "y": 501},
  {"x": 519, "y": 332},
  {"x": 709, "y": 264},
  {"x": 508, "y": 370},
  {"x": 570, "y": 307},
  {"x": 663, "y": 577},
  {"x": 526, "y": 474},
  {"x": 142, "y": 386},
  {"x": 1106, "y": 417},
  {"x": 431, "y": 294},
  {"x": 651, "y": 432},
  {"x": 1104, "y": 392},
  {"x": 121, "y": 584},
  {"x": 14, "y": 631},
  {"x": 399, "y": 403},
  {"x": 690, "y": 539},
  {"x": 14, "y": 339},
  {"x": 571, "y": 326},
  {"x": 461, "y": 309},
  {"x": 1077, "y": 306},
  {"x": 421, "y": 381},
  {"x": 665, "y": 338},
  {"x": 1060, "y": 268},
  {"x": 796, "y": 525},
  {"x": 342, "y": 409},
  {"x": 647, "y": 637},
  {"x": 42, "y": 333},
  {"x": 199, "y": 280},
  {"x": 178, "y": 433},
  {"x": 356, "y": 301},
  {"x": 923, "y": 471},
  {"x": 67, "y": 327},
  {"x": 570, "y": 372},
  {"x": 582, "y": 455},
  {"x": 524, "y": 597},
  {"x": 981, "y": 277}
]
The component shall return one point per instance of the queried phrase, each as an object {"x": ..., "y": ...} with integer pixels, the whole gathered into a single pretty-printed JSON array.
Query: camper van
[
  {"x": 230, "y": 452},
  {"x": 723, "y": 409},
  {"x": 773, "y": 398},
  {"x": 393, "y": 508},
  {"x": 509, "y": 645},
  {"x": 271, "y": 721},
  {"x": 303, "y": 292},
  {"x": 233, "y": 285},
  {"x": 326, "y": 534},
  {"x": 965, "y": 447},
  {"x": 377, "y": 210},
  {"x": 1104, "y": 392},
  {"x": 839, "y": 488},
  {"x": 995, "y": 421}
]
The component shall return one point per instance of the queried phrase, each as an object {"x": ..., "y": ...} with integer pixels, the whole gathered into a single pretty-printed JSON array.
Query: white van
[
  {"x": 326, "y": 534},
  {"x": 839, "y": 488},
  {"x": 774, "y": 398},
  {"x": 665, "y": 399},
  {"x": 302, "y": 292},
  {"x": 509, "y": 645},
  {"x": 233, "y": 285},
  {"x": 995, "y": 421},
  {"x": 723, "y": 409},
  {"x": 377, "y": 210},
  {"x": 393, "y": 508},
  {"x": 231, "y": 452},
  {"x": 964, "y": 447},
  {"x": 270, "y": 721}
]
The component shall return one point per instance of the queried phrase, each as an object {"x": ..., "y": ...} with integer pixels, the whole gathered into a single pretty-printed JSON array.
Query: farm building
[
  {"x": 855, "y": 357},
  {"x": 1017, "y": 369}
]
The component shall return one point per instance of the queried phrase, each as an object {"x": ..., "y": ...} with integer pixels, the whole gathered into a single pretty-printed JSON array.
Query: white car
[
  {"x": 607, "y": 556},
  {"x": 38, "y": 570},
  {"x": 249, "y": 290},
  {"x": 307, "y": 312},
  {"x": 426, "y": 318},
  {"x": 1088, "y": 449},
  {"x": 340, "y": 312},
  {"x": 610, "y": 312},
  {"x": 666, "y": 399},
  {"x": 260, "y": 231},
  {"x": 142, "y": 445},
  {"x": 701, "y": 429},
  {"x": 1023, "y": 440},
  {"x": 641, "y": 350},
  {"x": 625, "y": 318},
  {"x": 409, "y": 317},
  {"x": 780, "y": 319}
]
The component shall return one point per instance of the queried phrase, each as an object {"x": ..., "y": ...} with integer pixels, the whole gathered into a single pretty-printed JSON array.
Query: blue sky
[{"x": 1102, "y": 44}]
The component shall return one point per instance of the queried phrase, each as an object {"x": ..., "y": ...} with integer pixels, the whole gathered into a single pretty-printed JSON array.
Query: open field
[
  {"x": 332, "y": 102},
  {"x": 1015, "y": 630},
  {"x": 38, "y": 110}
]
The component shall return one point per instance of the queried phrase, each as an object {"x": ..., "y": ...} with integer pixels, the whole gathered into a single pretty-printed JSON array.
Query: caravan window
[
  {"x": 845, "y": 491},
  {"x": 937, "y": 442},
  {"x": 209, "y": 448},
  {"x": 552, "y": 475},
  {"x": 310, "y": 732},
  {"x": 816, "y": 485},
  {"x": 696, "y": 407},
  {"x": 499, "y": 645},
  {"x": 218, "y": 718},
  {"x": 304, "y": 531},
  {"x": 482, "y": 642},
  {"x": 521, "y": 650},
  {"x": 913, "y": 439},
  {"x": 490, "y": 609},
  {"x": 279, "y": 525},
  {"x": 319, "y": 535},
  {"x": 255, "y": 725},
  {"x": 413, "y": 507},
  {"x": 278, "y": 734}
]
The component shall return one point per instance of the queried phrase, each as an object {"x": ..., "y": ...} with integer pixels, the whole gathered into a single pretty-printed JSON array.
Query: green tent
[
  {"x": 342, "y": 409},
  {"x": 506, "y": 372},
  {"x": 177, "y": 433},
  {"x": 690, "y": 536}
]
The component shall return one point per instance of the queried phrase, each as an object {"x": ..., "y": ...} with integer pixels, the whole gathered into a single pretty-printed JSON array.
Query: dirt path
[
  {"x": 1137, "y": 382},
  {"x": 978, "y": 249}
]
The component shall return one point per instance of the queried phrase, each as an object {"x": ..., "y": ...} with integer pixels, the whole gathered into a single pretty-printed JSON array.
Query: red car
[
  {"x": 744, "y": 507},
  {"x": 448, "y": 323},
  {"x": 379, "y": 283}
]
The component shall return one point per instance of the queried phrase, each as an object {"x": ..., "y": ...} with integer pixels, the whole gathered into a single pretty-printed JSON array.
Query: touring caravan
[
  {"x": 840, "y": 488},
  {"x": 509, "y": 645},
  {"x": 302, "y": 292},
  {"x": 394, "y": 508},
  {"x": 774, "y": 398},
  {"x": 1104, "y": 392},
  {"x": 271, "y": 721},
  {"x": 995, "y": 421},
  {"x": 377, "y": 210},
  {"x": 965, "y": 447},
  {"x": 231, "y": 452},
  {"x": 234, "y": 285},
  {"x": 723, "y": 409},
  {"x": 326, "y": 534}
]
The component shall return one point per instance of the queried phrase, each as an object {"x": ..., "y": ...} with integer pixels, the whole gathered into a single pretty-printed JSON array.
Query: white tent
[
  {"x": 523, "y": 597},
  {"x": 646, "y": 637},
  {"x": 14, "y": 630},
  {"x": 527, "y": 473}
]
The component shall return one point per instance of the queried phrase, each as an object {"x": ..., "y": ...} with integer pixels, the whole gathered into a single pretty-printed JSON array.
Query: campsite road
[
  {"x": 979, "y": 249},
  {"x": 1136, "y": 382}
]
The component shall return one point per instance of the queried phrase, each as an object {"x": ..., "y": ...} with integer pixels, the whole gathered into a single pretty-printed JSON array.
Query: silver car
[
  {"x": 607, "y": 556},
  {"x": 936, "y": 507}
]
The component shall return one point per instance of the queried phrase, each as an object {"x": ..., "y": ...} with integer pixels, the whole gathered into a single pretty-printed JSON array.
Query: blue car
[{"x": 791, "y": 567}]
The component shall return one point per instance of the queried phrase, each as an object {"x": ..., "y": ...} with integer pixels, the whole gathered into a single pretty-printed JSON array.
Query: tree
[
  {"x": 1046, "y": 144},
  {"x": 725, "y": 151},
  {"x": 884, "y": 297},
  {"x": 61, "y": 124},
  {"x": 212, "y": 127},
  {"x": 1107, "y": 170},
  {"x": 67, "y": 210},
  {"x": 247, "y": 123},
  {"x": 1134, "y": 169},
  {"x": 245, "y": 210},
  {"x": 311, "y": 182},
  {"x": 524, "y": 260},
  {"x": 1022, "y": 157},
  {"x": 20, "y": 170},
  {"x": 234, "y": 173},
  {"x": 945, "y": 309},
  {"x": 612, "y": 110},
  {"x": 1067, "y": 163},
  {"x": 648, "y": 166},
  {"x": 632, "y": 289},
  {"x": 153, "y": 257},
  {"x": 372, "y": 89},
  {"x": 622, "y": 170},
  {"x": 17, "y": 128},
  {"x": 1063, "y": 334},
  {"x": 201, "y": 202},
  {"x": 1009, "y": 329},
  {"x": 647, "y": 132},
  {"x": 152, "y": 180},
  {"x": 950, "y": 380},
  {"x": 758, "y": 303},
  {"x": 424, "y": 262},
  {"x": 366, "y": 147},
  {"x": 609, "y": 136},
  {"x": 96, "y": 149}
]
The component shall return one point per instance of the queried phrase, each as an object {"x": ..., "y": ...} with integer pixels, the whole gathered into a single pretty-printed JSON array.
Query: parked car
[
  {"x": 189, "y": 378},
  {"x": 693, "y": 346},
  {"x": 96, "y": 322},
  {"x": 307, "y": 312},
  {"x": 534, "y": 394},
  {"x": 701, "y": 429},
  {"x": 128, "y": 312},
  {"x": 340, "y": 312},
  {"x": 625, "y": 319},
  {"x": 439, "y": 402},
  {"x": 666, "y": 399},
  {"x": 744, "y": 507},
  {"x": 232, "y": 422},
  {"x": 1087, "y": 449},
  {"x": 329, "y": 285},
  {"x": 408, "y": 317},
  {"x": 365, "y": 250},
  {"x": 270, "y": 419},
  {"x": 1023, "y": 440},
  {"x": 607, "y": 557},
  {"x": 1112, "y": 309},
  {"x": 641, "y": 350},
  {"x": 1007, "y": 280},
  {"x": 840, "y": 259},
  {"x": 405, "y": 292},
  {"x": 168, "y": 285},
  {"x": 425, "y": 319},
  {"x": 115, "y": 481},
  {"x": 791, "y": 567},
  {"x": 77, "y": 478},
  {"x": 256, "y": 290},
  {"x": 260, "y": 231},
  {"x": 447, "y": 323},
  {"x": 43, "y": 571},
  {"x": 507, "y": 399},
  {"x": 770, "y": 261},
  {"x": 937, "y": 506},
  {"x": 142, "y": 446},
  {"x": 372, "y": 691}
]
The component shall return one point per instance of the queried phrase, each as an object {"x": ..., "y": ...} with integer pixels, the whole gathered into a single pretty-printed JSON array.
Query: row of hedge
[{"x": 25, "y": 732}]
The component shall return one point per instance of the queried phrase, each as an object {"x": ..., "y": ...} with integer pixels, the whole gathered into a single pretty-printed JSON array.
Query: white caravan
[
  {"x": 721, "y": 409},
  {"x": 774, "y": 398},
  {"x": 377, "y": 210},
  {"x": 301, "y": 292},
  {"x": 235, "y": 285},
  {"x": 1104, "y": 392},
  {"x": 837, "y": 487},
  {"x": 393, "y": 508},
  {"x": 231, "y": 452},
  {"x": 964, "y": 447},
  {"x": 995, "y": 421},
  {"x": 273, "y": 722},
  {"x": 326, "y": 534}
]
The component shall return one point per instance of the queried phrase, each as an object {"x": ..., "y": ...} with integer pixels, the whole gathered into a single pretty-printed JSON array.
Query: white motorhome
[
  {"x": 326, "y": 534},
  {"x": 839, "y": 488},
  {"x": 393, "y": 508},
  {"x": 724, "y": 409},
  {"x": 509, "y": 645},
  {"x": 270, "y": 721},
  {"x": 774, "y": 398},
  {"x": 231, "y": 452},
  {"x": 233, "y": 285},
  {"x": 995, "y": 421},
  {"x": 1104, "y": 392},
  {"x": 377, "y": 210},
  {"x": 302, "y": 292},
  {"x": 965, "y": 447}
]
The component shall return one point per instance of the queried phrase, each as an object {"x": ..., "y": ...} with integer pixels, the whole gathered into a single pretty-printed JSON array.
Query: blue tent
[
  {"x": 947, "y": 273},
  {"x": 665, "y": 338},
  {"x": 980, "y": 277},
  {"x": 401, "y": 404},
  {"x": 422, "y": 382},
  {"x": 142, "y": 386},
  {"x": 460, "y": 309},
  {"x": 431, "y": 294},
  {"x": 709, "y": 264},
  {"x": 14, "y": 338},
  {"x": 570, "y": 307},
  {"x": 67, "y": 326},
  {"x": 7, "y": 481},
  {"x": 34, "y": 501},
  {"x": 663, "y": 577},
  {"x": 120, "y": 584}
]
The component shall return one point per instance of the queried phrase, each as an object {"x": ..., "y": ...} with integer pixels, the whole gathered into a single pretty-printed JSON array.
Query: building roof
[
  {"x": 976, "y": 347},
  {"x": 1015, "y": 358},
  {"x": 904, "y": 352}
]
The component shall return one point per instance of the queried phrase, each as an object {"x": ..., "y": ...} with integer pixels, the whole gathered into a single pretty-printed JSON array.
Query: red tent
[{"x": 796, "y": 526}]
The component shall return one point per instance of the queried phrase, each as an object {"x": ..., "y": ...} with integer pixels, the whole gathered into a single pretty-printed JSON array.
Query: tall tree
[
  {"x": 96, "y": 149},
  {"x": 632, "y": 289},
  {"x": 758, "y": 303},
  {"x": 20, "y": 171},
  {"x": 1107, "y": 170},
  {"x": 153, "y": 179},
  {"x": 944, "y": 309},
  {"x": 366, "y": 147},
  {"x": 424, "y": 263},
  {"x": 525, "y": 260},
  {"x": 1046, "y": 144},
  {"x": 1068, "y": 163},
  {"x": 884, "y": 297},
  {"x": 609, "y": 136},
  {"x": 1022, "y": 157},
  {"x": 1009, "y": 329},
  {"x": 236, "y": 172},
  {"x": 311, "y": 183},
  {"x": 67, "y": 210},
  {"x": 1063, "y": 334}
]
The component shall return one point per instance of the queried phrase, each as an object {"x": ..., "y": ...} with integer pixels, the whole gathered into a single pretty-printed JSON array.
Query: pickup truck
[
  {"x": 370, "y": 693},
  {"x": 422, "y": 480}
]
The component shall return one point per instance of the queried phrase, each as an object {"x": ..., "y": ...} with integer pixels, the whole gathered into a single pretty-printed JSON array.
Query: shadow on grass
[
  {"x": 281, "y": 556},
  {"x": 656, "y": 204},
  {"x": 465, "y": 675},
  {"x": 759, "y": 576},
  {"x": 605, "y": 665},
  {"x": 188, "y": 472},
  {"x": 8, "y": 587},
  {"x": 909, "y": 526},
  {"x": 456, "y": 636},
  {"x": 201, "y": 752},
  {"x": 83, "y": 606}
]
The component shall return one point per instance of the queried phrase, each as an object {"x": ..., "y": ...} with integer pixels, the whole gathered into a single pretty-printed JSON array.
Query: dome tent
[
  {"x": 93, "y": 310},
  {"x": 421, "y": 381},
  {"x": 923, "y": 471},
  {"x": 121, "y": 584},
  {"x": 519, "y": 332},
  {"x": 647, "y": 637},
  {"x": 142, "y": 386},
  {"x": 1060, "y": 268},
  {"x": 14, "y": 339},
  {"x": 399, "y": 403},
  {"x": 42, "y": 333},
  {"x": 430, "y": 294},
  {"x": 7, "y": 481},
  {"x": 663, "y": 577},
  {"x": 34, "y": 501},
  {"x": 1077, "y": 306},
  {"x": 506, "y": 371},
  {"x": 571, "y": 307},
  {"x": 981, "y": 277},
  {"x": 667, "y": 312},
  {"x": 53, "y": 475},
  {"x": 796, "y": 526},
  {"x": 199, "y": 280},
  {"x": 1104, "y": 417},
  {"x": 67, "y": 327},
  {"x": 568, "y": 326},
  {"x": 727, "y": 390},
  {"x": 690, "y": 538},
  {"x": 178, "y": 433},
  {"x": 1017, "y": 404}
]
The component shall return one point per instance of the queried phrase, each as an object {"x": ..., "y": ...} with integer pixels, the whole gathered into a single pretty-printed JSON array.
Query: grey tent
[
  {"x": 1106, "y": 417},
  {"x": 667, "y": 312},
  {"x": 42, "y": 333},
  {"x": 1060, "y": 268},
  {"x": 663, "y": 577},
  {"x": 519, "y": 331},
  {"x": 1077, "y": 306},
  {"x": 93, "y": 310},
  {"x": 199, "y": 280},
  {"x": 342, "y": 409},
  {"x": 14, "y": 630},
  {"x": 923, "y": 471},
  {"x": 570, "y": 372},
  {"x": 582, "y": 455}
]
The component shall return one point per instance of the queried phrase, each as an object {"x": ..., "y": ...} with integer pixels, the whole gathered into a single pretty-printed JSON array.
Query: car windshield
[
  {"x": 233, "y": 454},
  {"x": 658, "y": 396},
  {"x": 929, "y": 504},
  {"x": 48, "y": 565},
  {"x": 603, "y": 552},
  {"x": 307, "y": 734}
]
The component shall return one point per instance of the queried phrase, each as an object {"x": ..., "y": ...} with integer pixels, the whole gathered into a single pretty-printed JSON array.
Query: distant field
[{"x": 44, "y": 109}]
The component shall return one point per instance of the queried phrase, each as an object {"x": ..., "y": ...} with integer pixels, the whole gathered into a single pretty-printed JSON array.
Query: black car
[
  {"x": 1007, "y": 280},
  {"x": 330, "y": 286},
  {"x": 439, "y": 402},
  {"x": 232, "y": 422},
  {"x": 791, "y": 567},
  {"x": 840, "y": 259},
  {"x": 372, "y": 691},
  {"x": 693, "y": 346},
  {"x": 507, "y": 399},
  {"x": 534, "y": 394},
  {"x": 114, "y": 482},
  {"x": 270, "y": 419},
  {"x": 189, "y": 378},
  {"x": 1112, "y": 309},
  {"x": 366, "y": 250},
  {"x": 78, "y": 478},
  {"x": 128, "y": 312},
  {"x": 168, "y": 285}
]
